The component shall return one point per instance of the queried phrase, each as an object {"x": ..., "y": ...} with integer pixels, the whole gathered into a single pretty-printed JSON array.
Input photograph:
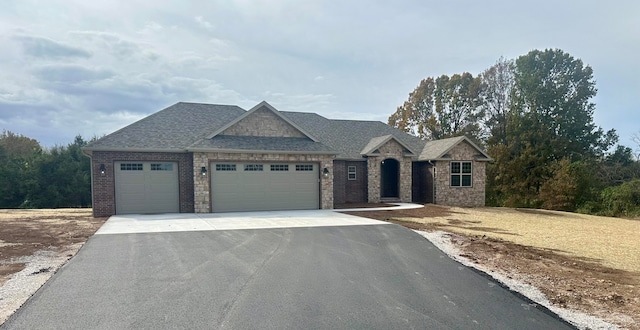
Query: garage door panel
[
  {"x": 254, "y": 186},
  {"x": 147, "y": 187}
]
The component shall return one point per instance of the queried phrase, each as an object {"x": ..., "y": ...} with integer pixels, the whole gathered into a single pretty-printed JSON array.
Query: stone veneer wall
[
  {"x": 461, "y": 196},
  {"x": 103, "y": 194},
  {"x": 202, "y": 183},
  {"x": 391, "y": 149},
  {"x": 263, "y": 122}
]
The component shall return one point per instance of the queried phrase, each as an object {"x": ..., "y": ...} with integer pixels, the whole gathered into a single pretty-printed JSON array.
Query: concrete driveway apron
[{"x": 269, "y": 270}]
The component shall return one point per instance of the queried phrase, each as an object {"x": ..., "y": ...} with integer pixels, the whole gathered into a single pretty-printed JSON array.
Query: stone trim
[
  {"x": 394, "y": 150},
  {"x": 473, "y": 196},
  {"x": 202, "y": 185}
]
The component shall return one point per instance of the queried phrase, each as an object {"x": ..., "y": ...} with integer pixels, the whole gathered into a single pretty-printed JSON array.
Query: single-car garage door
[
  {"x": 264, "y": 186},
  {"x": 146, "y": 187}
]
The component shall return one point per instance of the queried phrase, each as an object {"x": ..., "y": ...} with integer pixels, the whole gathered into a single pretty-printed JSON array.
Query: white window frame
[
  {"x": 352, "y": 173},
  {"x": 460, "y": 173}
]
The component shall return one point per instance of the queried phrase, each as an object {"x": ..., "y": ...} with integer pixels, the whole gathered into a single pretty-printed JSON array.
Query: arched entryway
[{"x": 390, "y": 178}]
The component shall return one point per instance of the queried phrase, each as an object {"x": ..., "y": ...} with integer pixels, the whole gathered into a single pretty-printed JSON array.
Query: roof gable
[
  {"x": 438, "y": 149},
  {"x": 372, "y": 147},
  {"x": 263, "y": 120}
]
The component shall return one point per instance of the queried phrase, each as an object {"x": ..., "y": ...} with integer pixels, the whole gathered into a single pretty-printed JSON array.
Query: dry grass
[
  {"x": 16, "y": 214},
  {"x": 613, "y": 242}
]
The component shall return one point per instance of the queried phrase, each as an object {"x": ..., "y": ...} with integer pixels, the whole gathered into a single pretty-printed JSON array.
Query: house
[{"x": 205, "y": 158}]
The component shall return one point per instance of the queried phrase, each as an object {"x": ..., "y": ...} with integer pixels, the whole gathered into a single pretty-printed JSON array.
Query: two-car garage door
[
  {"x": 264, "y": 186},
  {"x": 146, "y": 187}
]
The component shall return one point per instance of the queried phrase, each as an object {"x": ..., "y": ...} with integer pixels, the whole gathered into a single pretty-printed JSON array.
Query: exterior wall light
[
  {"x": 203, "y": 170},
  {"x": 103, "y": 169},
  {"x": 325, "y": 172}
]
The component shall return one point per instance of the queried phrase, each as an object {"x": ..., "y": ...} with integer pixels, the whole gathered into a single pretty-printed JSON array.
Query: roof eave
[
  {"x": 93, "y": 149},
  {"x": 263, "y": 151}
]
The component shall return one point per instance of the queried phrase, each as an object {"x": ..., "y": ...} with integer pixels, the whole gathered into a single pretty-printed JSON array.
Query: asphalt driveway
[{"x": 311, "y": 270}]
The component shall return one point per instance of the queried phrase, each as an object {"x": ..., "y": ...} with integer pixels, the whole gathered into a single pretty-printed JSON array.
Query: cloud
[
  {"x": 203, "y": 23},
  {"x": 116, "y": 45},
  {"x": 71, "y": 73},
  {"x": 47, "y": 48}
]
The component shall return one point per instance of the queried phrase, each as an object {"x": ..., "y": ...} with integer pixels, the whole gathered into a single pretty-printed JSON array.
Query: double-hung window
[{"x": 461, "y": 174}]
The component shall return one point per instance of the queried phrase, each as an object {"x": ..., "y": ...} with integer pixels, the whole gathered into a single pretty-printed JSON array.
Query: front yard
[{"x": 581, "y": 262}]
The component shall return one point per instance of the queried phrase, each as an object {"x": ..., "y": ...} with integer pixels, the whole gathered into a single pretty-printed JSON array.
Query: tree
[
  {"x": 60, "y": 178},
  {"x": 554, "y": 90},
  {"x": 442, "y": 107},
  {"x": 17, "y": 154},
  {"x": 497, "y": 84},
  {"x": 550, "y": 118}
]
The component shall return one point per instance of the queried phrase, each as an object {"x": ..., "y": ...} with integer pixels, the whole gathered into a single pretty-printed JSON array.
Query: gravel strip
[
  {"x": 442, "y": 240},
  {"x": 39, "y": 268}
]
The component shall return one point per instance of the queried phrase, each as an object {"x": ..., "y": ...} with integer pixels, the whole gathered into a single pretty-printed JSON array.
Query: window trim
[
  {"x": 350, "y": 172},
  {"x": 461, "y": 174},
  {"x": 253, "y": 167},
  {"x": 304, "y": 167},
  {"x": 279, "y": 168},
  {"x": 223, "y": 167}
]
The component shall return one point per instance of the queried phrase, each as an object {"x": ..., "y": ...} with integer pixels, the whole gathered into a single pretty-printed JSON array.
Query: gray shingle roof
[
  {"x": 186, "y": 126},
  {"x": 173, "y": 128},
  {"x": 349, "y": 137},
  {"x": 435, "y": 150},
  {"x": 256, "y": 143}
]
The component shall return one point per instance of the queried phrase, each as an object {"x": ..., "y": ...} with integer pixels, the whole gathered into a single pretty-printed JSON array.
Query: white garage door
[
  {"x": 146, "y": 187},
  {"x": 264, "y": 186}
]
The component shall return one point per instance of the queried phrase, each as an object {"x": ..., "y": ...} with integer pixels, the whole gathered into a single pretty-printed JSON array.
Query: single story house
[{"x": 202, "y": 158}]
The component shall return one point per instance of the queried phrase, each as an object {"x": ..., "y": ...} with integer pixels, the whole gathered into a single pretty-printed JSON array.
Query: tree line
[
  {"x": 34, "y": 177},
  {"x": 534, "y": 116}
]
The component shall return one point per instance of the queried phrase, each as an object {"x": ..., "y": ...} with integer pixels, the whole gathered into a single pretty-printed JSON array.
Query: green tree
[
  {"x": 497, "y": 85},
  {"x": 550, "y": 118},
  {"x": 442, "y": 107},
  {"x": 17, "y": 154},
  {"x": 60, "y": 178}
]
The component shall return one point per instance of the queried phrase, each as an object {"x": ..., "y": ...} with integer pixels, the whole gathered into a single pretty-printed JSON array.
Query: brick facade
[
  {"x": 103, "y": 186},
  {"x": 394, "y": 150},
  {"x": 461, "y": 196},
  {"x": 202, "y": 183},
  {"x": 263, "y": 122},
  {"x": 349, "y": 191}
]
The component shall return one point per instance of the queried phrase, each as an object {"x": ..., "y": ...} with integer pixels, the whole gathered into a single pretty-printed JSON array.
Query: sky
[{"x": 77, "y": 67}]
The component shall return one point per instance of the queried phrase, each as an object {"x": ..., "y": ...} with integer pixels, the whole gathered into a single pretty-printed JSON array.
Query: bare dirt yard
[
  {"x": 579, "y": 262},
  {"x": 33, "y": 245}
]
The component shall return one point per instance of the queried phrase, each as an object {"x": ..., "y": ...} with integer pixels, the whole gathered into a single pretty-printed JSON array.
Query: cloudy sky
[{"x": 70, "y": 67}]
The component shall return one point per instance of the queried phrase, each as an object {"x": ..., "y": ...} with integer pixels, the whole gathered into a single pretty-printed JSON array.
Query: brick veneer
[
  {"x": 349, "y": 191},
  {"x": 391, "y": 149},
  {"x": 263, "y": 122},
  {"x": 104, "y": 185},
  {"x": 461, "y": 196},
  {"x": 202, "y": 183}
]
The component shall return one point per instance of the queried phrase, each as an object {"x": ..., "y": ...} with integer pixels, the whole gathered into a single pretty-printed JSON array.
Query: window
[
  {"x": 253, "y": 167},
  {"x": 162, "y": 167},
  {"x": 279, "y": 168},
  {"x": 225, "y": 167},
  {"x": 304, "y": 168},
  {"x": 351, "y": 172},
  {"x": 130, "y": 167},
  {"x": 461, "y": 174}
]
